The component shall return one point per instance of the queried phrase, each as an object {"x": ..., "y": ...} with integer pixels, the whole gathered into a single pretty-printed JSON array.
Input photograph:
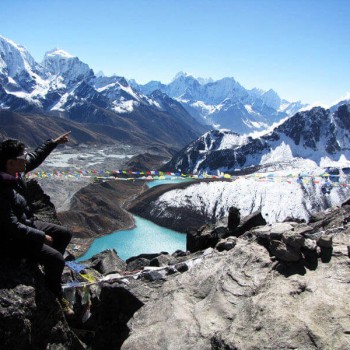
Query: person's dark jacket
[{"x": 16, "y": 216}]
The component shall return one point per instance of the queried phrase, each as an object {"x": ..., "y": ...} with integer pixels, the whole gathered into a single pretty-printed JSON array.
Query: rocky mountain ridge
[
  {"x": 318, "y": 135},
  {"x": 225, "y": 103},
  {"x": 67, "y": 88}
]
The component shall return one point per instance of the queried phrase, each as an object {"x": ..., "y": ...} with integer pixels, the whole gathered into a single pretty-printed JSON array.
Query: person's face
[{"x": 17, "y": 165}]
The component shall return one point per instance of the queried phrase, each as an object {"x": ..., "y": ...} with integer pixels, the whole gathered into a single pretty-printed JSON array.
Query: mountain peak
[
  {"x": 59, "y": 52},
  {"x": 204, "y": 81},
  {"x": 201, "y": 80},
  {"x": 61, "y": 63},
  {"x": 271, "y": 92},
  {"x": 100, "y": 74},
  {"x": 17, "y": 63},
  {"x": 10, "y": 43},
  {"x": 316, "y": 137},
  {"x": 179, "y": 75}
]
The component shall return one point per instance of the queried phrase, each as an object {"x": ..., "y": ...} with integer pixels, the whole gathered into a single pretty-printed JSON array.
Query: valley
[
  {"x": 93, "y": 209},
  {"x": 248, "y": 249}
]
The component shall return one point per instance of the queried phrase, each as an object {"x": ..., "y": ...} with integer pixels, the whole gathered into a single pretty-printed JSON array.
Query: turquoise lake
[
  {"x": 146, "y": 237},
  {"x": 165, "y": 181}
]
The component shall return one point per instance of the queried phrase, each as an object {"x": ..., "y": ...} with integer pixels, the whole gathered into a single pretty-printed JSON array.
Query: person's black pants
[{"x": 52, "y": 257}]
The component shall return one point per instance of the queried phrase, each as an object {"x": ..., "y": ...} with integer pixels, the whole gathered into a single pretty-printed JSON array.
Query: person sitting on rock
[{"x": 23, "y": 235}]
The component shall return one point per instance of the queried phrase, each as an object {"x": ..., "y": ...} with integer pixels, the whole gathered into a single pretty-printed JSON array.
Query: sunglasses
[{"x": 23, "y": 156}]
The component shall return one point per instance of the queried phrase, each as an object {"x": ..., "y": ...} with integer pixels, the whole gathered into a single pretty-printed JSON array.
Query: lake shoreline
[
  {"x": 145, "y": 238},
  {"x": 80, "y": 245},
  {"x": 97, "y": 210}
]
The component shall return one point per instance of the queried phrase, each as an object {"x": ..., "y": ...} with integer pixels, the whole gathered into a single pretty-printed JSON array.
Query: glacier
[{"x": 277, "y": 195}]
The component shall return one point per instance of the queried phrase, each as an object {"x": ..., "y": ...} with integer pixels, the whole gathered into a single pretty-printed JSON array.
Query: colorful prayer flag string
[{"x": 341, "y": 180}]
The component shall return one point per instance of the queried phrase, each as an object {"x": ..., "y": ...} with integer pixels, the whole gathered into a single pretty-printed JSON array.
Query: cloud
[
  {"x": 315, "y": 104},
  {"x": 343, "y": 98}
]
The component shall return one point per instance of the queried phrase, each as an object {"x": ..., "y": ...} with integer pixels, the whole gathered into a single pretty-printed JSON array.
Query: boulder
[
  {"x": 261, "y": 232},
  {"x": 303, "y": 230},
  {"x": 161, "y": 260},
  {"x": 220, "y": 232},
  {"x": 209, "y": 235},
  {"x": 253, "y": 220},
  {"x": 106, "y": 262},
  {"x": 137, "y": 264},
  {"x": 201, "y": 239},
  {"x": 115, "y": 307},
  {"x": 226, "y": 244},
  {"x": 144, "y": 256},
  {"x": 325, "y": 241},
  {"x": 30, "y": 315},
  {"x": 279, "y": 229},
  {"x": 179, "y": 253},
  {"x": 152, "y": 275},
  {"x": 234, "y": 219},
  {"x": 293, "y": 239},
  {"x": 181, "y": 267},
  {"x": 284, "y": 252}
]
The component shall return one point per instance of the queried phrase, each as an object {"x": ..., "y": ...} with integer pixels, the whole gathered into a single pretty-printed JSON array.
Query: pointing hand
[{"x": 62, "y": 138}]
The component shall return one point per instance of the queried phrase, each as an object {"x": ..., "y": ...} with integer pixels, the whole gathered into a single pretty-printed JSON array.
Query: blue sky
[{"x": 300, "y": 48}]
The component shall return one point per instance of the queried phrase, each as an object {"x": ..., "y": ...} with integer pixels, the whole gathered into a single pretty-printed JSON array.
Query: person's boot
[{"x": 68, "y": 311}]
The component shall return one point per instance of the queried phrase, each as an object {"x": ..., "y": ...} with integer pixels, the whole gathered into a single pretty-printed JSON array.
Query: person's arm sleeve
[
  {"x": 14, "y": 229},
  {"x": 35, "y": 158}
]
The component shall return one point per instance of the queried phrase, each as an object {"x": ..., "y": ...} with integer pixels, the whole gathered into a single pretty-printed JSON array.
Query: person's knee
[
  {"x": 67, "y": 235},
  {"x": 62, "y": 239},
  {"x": 53, "y": 258},
  {"x": 59, "y": 259}
]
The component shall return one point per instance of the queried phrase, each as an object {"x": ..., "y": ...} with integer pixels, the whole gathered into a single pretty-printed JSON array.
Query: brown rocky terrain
[
  {"x": 146, "y": 162},
  {"x": 32, "y": 129},
  {"x": 98, "y": 209}
]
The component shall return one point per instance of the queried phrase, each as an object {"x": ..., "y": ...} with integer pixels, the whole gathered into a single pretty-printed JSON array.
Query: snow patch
[
  {"x": 276, "y": 198},
  {"x": 230, "y": 141},
  {"x": 125, "y": 106},
  {"x": 207, "y": 109},
  {"x": 59, "y": 105},
  {"x": 59, "y": 52}
]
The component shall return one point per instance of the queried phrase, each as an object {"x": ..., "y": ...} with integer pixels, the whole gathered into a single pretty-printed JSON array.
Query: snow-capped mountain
[
  {"x": 225, "y": 103},
  {"x": 296, "y": 170},
  {"x": 66, "y": 87},
  {"x": 18, "y": 69},
  {"x": 317, "y": 135},
  {"x": 61, "y": 64}
]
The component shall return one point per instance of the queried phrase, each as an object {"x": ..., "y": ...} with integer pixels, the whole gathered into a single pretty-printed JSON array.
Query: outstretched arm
[{"x": 35, "y": 158}]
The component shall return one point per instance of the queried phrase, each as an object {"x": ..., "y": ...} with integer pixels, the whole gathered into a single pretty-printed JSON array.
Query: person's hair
[{"x": 10, "y": 149}]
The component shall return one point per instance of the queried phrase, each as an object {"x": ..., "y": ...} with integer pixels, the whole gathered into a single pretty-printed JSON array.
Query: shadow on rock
[
  {"x": 326, "y": 254},
  {"x": 289, "y": 269}
]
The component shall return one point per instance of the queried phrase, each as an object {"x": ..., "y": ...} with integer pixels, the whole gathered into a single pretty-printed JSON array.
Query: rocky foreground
[
  {"x": 241, "y": 285},
  {"x": 280, "y": 286}
]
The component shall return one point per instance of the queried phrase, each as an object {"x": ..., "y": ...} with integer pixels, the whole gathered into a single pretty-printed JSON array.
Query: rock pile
[{"x": 210, "y": 235}]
